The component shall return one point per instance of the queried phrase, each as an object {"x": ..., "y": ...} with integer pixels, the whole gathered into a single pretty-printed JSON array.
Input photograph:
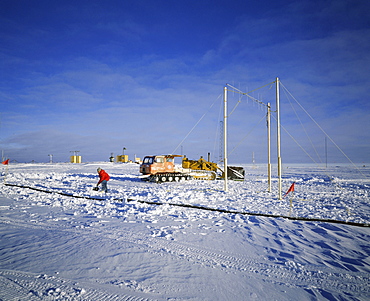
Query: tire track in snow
[
  {"x": 299, "y": 276},
  {"x": 19, "y": 286},
  {"x": 295, "y": 274}
]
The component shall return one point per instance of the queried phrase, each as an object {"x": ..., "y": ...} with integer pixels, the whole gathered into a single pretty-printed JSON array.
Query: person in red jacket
[{"x": 103, "y": 179}]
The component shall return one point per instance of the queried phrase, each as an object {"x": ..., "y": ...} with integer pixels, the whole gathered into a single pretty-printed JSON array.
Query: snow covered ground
[{"x": 57, "y": 247}]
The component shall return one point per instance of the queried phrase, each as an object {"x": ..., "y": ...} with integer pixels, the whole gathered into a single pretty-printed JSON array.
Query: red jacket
[{"x": 103, "y": 176}]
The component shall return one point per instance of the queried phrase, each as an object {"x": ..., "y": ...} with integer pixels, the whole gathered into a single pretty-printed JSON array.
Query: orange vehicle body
[{"x": 158, "y": 164}]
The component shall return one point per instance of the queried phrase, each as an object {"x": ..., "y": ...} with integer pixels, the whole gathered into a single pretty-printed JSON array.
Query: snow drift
[{"x": 61, "y": 240}]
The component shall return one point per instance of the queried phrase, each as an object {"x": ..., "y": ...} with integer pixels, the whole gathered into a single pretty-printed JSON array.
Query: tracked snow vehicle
[{"x": 163, "y": 169}]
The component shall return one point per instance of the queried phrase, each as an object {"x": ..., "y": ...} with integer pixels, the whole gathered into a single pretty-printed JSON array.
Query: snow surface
[{"x": 58, "y": 247}]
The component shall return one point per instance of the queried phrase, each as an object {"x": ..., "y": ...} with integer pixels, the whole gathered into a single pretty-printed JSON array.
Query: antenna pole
[
  {"x": 225, "y": 139},
  {"x": 269, "y": 146},
  {"x": 278, "y": 135},
  {"x": 326, "y": 152}
]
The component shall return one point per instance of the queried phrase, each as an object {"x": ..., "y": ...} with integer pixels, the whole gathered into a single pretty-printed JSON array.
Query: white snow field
[{"x": 60, "y": 240}]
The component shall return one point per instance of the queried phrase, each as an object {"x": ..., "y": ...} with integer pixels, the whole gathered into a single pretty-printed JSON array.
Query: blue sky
[{"x": 97, "y": 76}]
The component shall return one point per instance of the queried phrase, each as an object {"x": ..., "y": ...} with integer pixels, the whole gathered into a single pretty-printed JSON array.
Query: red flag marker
[
  {"x": 6, "y": 162},
  {"x": 291, "y": 189}
]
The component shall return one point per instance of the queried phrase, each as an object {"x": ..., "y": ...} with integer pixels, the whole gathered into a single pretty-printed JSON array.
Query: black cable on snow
[
  {"x": 306, "y": 219},
  {"x": 61, "y": 193},
  {"x": 257, "y": 214}
]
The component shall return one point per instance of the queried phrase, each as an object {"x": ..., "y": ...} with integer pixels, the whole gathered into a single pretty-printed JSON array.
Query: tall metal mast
[
  {"x": 225, "y": 139},
  {"x": 269, "y": 146},
  {"x": 278, "y": 135}
]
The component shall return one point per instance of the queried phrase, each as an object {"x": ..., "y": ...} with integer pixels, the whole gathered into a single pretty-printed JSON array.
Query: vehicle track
[
  {"x": 299, "y": 276},
  {"x": 296, "y": 275},
  {"x": 16, "y": 285}
]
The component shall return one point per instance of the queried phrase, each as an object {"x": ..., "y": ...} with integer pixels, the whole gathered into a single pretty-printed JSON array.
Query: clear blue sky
[{"x": 97, "y": 76}]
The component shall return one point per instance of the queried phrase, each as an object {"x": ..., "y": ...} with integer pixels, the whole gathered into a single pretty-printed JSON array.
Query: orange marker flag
[
  {"x": 291, "y": 189},
  {"x": 6, "y": 162}
]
